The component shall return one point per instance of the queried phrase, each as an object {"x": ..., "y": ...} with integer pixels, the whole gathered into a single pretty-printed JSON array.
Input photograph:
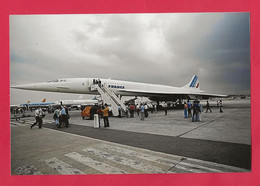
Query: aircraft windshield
[
  {"x": 53, "y": 81},
  {"x": 57, "y": 80}
]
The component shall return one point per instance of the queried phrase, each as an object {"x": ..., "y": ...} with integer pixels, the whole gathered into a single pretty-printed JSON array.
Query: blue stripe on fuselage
[
  {"x": 194, "y": 84},
  {"x": 194, "y": 81}
]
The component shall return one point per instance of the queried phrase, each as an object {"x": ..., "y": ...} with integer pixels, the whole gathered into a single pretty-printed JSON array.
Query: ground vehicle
[{"x": 88, "y": 112}]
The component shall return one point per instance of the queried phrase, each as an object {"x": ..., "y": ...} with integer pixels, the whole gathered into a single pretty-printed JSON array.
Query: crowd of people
[
  {"x": 192, "y": 110},
  {"x": 198, "y": 109},
  {"x": 61, "y": 116}
]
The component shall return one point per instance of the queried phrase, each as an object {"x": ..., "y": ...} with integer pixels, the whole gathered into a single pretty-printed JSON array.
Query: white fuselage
[
  {"x": 83, "y": 86},
  {"x": 123, "y": 88}
]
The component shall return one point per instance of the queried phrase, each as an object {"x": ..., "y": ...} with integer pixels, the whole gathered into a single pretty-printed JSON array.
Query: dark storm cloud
[
  {"x": 228, "y": 41},
  {"x": 228, "y": 47},
  {"x": 216, "y": 46}
]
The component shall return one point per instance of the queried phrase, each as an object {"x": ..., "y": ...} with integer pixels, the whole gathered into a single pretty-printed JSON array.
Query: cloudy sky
[{"x": 154, "y": 48}]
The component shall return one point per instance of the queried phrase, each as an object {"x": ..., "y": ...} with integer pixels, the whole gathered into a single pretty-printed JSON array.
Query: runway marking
[
  {"x": 164, "y": 161},
  {"x": 62, "y": 167},
  {"x": 125, "y": 161},
  {"x": 232, "y": 168},
  {"x": 17, "y": 124},
  {"x": 102, "y": 167},
  {"x": 181, "y": 169},
  {"x": 27, "y": 170},
  {"x": 196, "y": 168},
  {"x": 191, "y": 163},
  {"x": 228, "y": 167},
  {"x": 139, "y": 155}
]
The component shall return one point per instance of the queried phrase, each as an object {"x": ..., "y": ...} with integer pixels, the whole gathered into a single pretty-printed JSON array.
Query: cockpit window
[
  {"x": 57, "y": 80},
  {"x": 53, "y": 81}
]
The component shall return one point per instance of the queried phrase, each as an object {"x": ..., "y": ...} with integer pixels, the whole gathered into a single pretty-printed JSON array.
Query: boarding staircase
[{"x": 109, "y": 97}]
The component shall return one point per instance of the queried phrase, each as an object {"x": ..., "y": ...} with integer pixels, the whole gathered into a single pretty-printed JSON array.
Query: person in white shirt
[
  {"x": 146, "y": 110},
  {"x": 155, "y": 108},
  {"x": 137, "y": 109},
  {"x": 165, "y": 108},
  {"x": 38, "y": 116}
]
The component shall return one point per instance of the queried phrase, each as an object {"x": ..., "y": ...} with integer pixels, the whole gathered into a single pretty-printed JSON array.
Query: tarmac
[{"x": 170, "y": 143}]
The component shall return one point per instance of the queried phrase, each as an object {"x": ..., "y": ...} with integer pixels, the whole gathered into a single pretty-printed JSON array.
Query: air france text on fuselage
[{"x": 116, "y": 86}]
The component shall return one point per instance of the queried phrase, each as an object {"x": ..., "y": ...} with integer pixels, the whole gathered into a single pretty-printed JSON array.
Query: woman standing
[{"x": 185, "y": 110}]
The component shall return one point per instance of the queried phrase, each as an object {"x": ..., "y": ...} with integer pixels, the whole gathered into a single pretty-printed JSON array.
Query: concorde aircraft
[{"x": 154, "y": 92}]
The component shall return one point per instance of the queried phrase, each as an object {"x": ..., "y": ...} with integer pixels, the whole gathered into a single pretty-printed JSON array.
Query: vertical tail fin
[{"x": 194, "y": 82}]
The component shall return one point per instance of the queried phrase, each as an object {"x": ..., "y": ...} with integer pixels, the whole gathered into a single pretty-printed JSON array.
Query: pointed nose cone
[
  {"x": 32, "y": 86},
  {"x": 25, "y": 86}
]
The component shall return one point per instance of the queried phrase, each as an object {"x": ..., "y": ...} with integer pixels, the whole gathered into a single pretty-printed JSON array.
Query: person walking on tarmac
[
  {"x": 195, "y": 111},
  {"x": 64, "y": 117},
  {"x": 146, "y": 110},
  {"x": 99, "y": 112},
  {"x": 220, "y": 106},
  {"x": 185, "y": 110},
  {"x": 208, "y": 107},
  {"x": 56, "y": 116},
  {"x": 189, "y": 109},
  {"x": 38, "y": 117},
  {"x": 165, "y": 108},
  {"x": 142, "y": 111},
  {"x": 67, "y": 117},
  {"x": 200, "y": 110},
  {"x": 119, "y": 111},
  {"x": 127, "y": 111},
  {"x": 132, "y": 110},
  {"x": 105, "y": 115},
  {"x": 137, "y": 109}
]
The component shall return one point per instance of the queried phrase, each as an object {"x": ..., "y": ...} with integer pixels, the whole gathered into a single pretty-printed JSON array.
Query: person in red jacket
[{"x": 132, "y": 109}]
